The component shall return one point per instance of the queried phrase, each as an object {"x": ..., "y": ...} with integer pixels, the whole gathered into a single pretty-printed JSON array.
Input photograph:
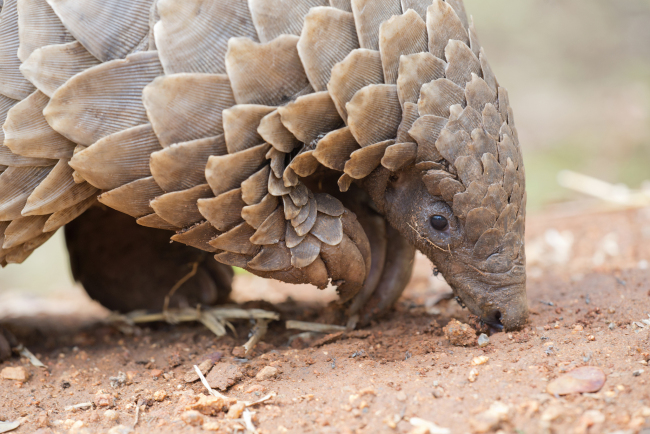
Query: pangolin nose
[{"x": 493, "y": 319}]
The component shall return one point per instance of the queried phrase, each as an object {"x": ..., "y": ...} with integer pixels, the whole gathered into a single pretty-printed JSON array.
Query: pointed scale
[
  {"x": 117, "y": 159},
  {"x": 104, "y": 99},
  {"x": 12, "y": 83},
  {"x": 360, "y": 68},
  {"x": 253, "y": 82},
  {"x": 27, "y": 133},
  {"x": 181, "y": 166},
  {"x": 16, "y": 184},
  {"x": 185, "y": 107},
  {"x": 328, "y": 36},
  {"x": 179, "y": 208},
  {"x": 374, "y": 114},
  {"x": 399, "y": 36},
  {"x": 65, "y": 216},
  {"x": 133, "y": 198},
  {"x": 109, "y": 29},
  {"x": 48, "y": 68},
  {"x": 193, "y": 35},
  {"x": 57, "y": 192}
]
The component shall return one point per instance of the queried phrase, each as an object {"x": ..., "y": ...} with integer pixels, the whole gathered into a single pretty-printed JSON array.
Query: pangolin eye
[{"x": 439, "y": 223}]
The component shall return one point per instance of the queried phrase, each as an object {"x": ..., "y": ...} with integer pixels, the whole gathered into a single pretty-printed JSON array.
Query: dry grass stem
[
  {"x": 81, "y": 406},
  {"x": 20, "y": 349},
  {"x": 259, "y": 331},
  {"x": 314, "y": 327}
]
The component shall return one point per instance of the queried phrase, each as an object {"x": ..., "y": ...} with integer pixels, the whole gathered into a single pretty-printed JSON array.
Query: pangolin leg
[
  {"x": 128, "y": 267},
  {"x": 396, "y": 274},
  {"x": 375, "y": 227},
  {"x": 7, "y": 342}
]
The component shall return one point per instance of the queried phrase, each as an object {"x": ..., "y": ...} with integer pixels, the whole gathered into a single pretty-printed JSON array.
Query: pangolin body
[{"x": 310, "y": 141}]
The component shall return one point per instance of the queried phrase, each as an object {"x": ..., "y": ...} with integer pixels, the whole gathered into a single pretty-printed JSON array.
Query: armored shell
[{"x": 229, "y": 123}]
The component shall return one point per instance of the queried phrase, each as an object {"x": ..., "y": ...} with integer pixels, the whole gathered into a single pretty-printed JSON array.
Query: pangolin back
[{"x": 205, "y": 117}]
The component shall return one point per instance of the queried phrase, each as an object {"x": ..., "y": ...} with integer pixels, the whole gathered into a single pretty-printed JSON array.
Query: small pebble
[
  {"x": 121, "y": 429},
  {"x": 156, "y": 373},
  {"x": 192, "y": 417},
  {"x": 592, "y": 417},
  {"x": 480, "y": 360},
  {"x": 159, "y": 395},
  {"x": 236, "y": 410},
  {"x": 239, "y": 352},
  {"x": 367, "y": 391},
  {"x": 578, "y": 328},
  {"x": 16, "y": 374},
  {"x": 483, "y": 340},
  {"x": 425, "y": 426},
  {"x": 551, "y": 413},
  {"x": 591, "y": 338},
  {"x": 459, "y": 334},
  {"x": 473, "y": 374},
  {"x": 224, "y": 375},
  {"x": 130, "y": 376},
  {"x": 256, "y": 388},
  {"x": 638, "y": 372},
  {"x": 212, "y": 405},
  {"x": 104, "y": 400},
  {"x": 490, "y": 420},
  {"x": 401, "y": 396},
  {"x": 611, "y": 326},
  {"x": 111, "y": 415},
  {"x": 392, "y": 421},
  {"x": 587, "y": 379},
  {"x": 211, "y": 426},
  {"x": 267, "y": 373},
  {"x": 42, "y": 421}
]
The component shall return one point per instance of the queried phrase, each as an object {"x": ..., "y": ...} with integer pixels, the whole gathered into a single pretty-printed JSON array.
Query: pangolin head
[
  {"x": 464, "y": 205},
  {"x": 479, "y": 252}
]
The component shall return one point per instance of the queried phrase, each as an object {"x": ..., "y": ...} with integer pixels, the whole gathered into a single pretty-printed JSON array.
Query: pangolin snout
[
  {"x": 506, "y": 308},
  {"x": 498, "y": 299},
  {"x": 493, "y": 319}
]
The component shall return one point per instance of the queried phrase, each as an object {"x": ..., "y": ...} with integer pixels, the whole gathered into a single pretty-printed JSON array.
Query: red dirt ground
[{"x": 590, "y": 265}]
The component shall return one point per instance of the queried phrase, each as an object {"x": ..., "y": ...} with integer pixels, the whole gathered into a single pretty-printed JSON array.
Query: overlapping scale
[
  {"x": 27, "y": 133},
  {"x": 253, "y": 82},
  {"x": 49, "y": 67},
  {"x": 184, "y": 107},
  {"x": 38, "y": 26},
  {"x": 328, "y": 36},
  {"x": 193, "y": 35},
  {"x": 12, "y": 82},
  {"x": 108, "y": 29},
  {"x": 103, "y": 100}
]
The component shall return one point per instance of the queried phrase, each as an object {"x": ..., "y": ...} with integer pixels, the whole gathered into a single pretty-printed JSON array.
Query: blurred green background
[{"x": 578, "y": 74}]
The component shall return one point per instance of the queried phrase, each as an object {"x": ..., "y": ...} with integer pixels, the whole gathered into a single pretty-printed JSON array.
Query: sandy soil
[{"x": 589, "y": 291}]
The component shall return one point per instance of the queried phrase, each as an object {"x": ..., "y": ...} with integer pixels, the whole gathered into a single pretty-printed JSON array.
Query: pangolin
[{"x": 308, "y": 141}]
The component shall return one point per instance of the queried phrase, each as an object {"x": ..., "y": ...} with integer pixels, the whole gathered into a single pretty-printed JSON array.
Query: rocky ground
[{"x": 589, "y": 294}]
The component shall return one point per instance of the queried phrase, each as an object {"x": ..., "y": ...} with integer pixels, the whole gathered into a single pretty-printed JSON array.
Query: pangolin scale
[{"x": 309, "y": 141}]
